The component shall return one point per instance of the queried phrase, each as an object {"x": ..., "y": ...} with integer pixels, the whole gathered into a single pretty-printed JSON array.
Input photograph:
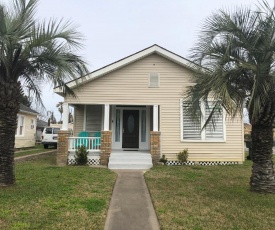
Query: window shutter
[
  {"x": 191, "y": 128},
  {"x": 154, "y": 80}
]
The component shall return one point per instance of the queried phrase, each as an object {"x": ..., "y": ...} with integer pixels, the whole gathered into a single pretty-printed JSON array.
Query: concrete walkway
[{"x": 131, "y": 207}]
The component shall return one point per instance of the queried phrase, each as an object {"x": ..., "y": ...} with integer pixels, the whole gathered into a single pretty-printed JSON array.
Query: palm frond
[
  {"x": 236, "y": 52},
  {"x": 31, "y": 50}
]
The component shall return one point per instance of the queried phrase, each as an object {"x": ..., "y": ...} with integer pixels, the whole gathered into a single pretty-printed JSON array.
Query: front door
[{"x": 130, "y": 136}]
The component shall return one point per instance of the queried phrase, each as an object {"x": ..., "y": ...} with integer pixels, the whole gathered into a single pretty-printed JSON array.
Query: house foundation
[
  {"x": 155, "y": 146},
  {"x": 62, "y": 147}
]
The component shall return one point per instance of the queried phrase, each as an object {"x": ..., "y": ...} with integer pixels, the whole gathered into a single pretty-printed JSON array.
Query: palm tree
[
  {"x": 60, "y": 109},
  {"x": 236, "y": 58},
  {"x": 30, "y": 50}
]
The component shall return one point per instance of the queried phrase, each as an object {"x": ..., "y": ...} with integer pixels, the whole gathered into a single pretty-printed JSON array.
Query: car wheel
[{"x": 46, "y": 146}]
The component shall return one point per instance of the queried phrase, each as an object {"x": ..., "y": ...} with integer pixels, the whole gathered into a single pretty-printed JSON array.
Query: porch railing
[{"x": 91, "y": 143}]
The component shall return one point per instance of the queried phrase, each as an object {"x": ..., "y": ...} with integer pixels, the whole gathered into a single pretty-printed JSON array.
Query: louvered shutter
[
  {"x": 154, "y": 80},
  {"x": 191, "y": 128}
]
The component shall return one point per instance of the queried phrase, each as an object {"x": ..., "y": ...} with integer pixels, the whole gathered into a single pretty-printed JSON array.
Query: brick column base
[
  {"x": 62, "y": 147},
  {"x": 106, "y": 147},
  {"x": 155, "y": 146}
]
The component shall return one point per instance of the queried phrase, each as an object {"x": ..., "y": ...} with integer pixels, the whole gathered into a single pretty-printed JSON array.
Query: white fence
[{"x": 91, "y": 143}]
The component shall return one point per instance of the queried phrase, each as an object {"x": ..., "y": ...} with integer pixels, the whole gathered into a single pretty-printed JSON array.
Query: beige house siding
[
  {"x": 93, "y": 119},
  {"x": 27, "y": 139},
  {"x": 78, "y": 119},
  {"x": 129, "y": 86}
]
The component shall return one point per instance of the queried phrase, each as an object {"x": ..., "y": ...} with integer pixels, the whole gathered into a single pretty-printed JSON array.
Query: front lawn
[
  {"x": 208, "y": 197},
  {"x": 39, "y": 148},
  {"x": 50, "y": 197}
]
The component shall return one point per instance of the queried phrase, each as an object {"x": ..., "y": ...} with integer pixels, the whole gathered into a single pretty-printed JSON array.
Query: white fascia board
[
  {"x": 27, "y": 112},
  {"x": 126, "y": 61},
  {"x": 174, "y": 57}
]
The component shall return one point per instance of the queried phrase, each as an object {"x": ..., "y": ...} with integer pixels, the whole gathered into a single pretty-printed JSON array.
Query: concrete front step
[
  {"x": 129, "y": 166},
  {"x": 130, "y": 160}
]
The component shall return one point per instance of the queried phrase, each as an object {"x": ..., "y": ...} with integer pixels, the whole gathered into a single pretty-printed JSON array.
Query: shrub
[
  {"x": 81, "y": 155},
  {"x": 183, "y": 156},
  {"x": 163, "y": 159}
]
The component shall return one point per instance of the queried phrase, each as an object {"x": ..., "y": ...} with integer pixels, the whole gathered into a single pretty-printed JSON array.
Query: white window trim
[
  {"x": 17, "y": 128},
  {"x": 142, "y": 145},
  {"x": 203, "y": 131}
]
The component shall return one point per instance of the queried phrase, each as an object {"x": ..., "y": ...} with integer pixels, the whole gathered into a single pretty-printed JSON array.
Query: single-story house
[
  {"x": 25, "y": 134},
  {"x": 136, "y": 105}
]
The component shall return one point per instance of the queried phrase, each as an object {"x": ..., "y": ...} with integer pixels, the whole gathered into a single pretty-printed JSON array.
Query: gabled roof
[
  {"x": 26, "y": 109},
  {"x": 126, "y": 61}
]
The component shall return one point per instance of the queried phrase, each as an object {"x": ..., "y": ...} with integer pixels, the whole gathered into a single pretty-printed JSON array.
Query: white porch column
[
  {"x": 106, "y": 117},
  {"x": 85, "y": 118},
  {"x": 155, "y": 118},
  {"x": 65, "y": 116}
]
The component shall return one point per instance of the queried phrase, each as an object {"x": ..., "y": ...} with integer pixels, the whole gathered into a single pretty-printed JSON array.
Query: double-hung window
[
  {"x": 20, "y": 125},
  {"x": 193, "y": 130}
]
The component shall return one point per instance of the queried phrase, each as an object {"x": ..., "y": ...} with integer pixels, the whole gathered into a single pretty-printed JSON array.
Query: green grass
[
  {"x": 50, "y": 197},
  {"x": 31, "y": 150},
  {"x": 208, "y": 197}
]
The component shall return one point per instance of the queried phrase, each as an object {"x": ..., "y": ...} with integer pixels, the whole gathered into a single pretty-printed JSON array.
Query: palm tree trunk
[
  {"x": 262, "y": 179},
  {"x": 9, "y": 107}
]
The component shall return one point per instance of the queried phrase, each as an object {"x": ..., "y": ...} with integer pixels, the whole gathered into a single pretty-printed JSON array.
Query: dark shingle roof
[
  {"x": 41, "y": 123},
  {"x": 25, "y": 108}
]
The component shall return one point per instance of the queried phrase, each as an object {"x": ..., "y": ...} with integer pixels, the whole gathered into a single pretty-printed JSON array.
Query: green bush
[
  {"x": 183, "y": 156},
  {"x": 81, "y": 155},
  {"x": 163, "y": 159}
]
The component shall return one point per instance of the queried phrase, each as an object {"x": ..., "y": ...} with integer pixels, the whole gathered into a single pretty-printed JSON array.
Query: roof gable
[
  {"x": 126, "y": 61},
  {"x": 26, "y": 109}
]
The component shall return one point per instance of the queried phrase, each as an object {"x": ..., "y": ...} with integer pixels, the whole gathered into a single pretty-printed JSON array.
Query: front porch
[{"x": 120, "y": 127}]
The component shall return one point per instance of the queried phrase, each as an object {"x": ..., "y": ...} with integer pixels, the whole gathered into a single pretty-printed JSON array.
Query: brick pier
[
  {"x": 106, "y": 147},
  {"x": 155, "y": 146},
  {"x": 62, "y": 147}
]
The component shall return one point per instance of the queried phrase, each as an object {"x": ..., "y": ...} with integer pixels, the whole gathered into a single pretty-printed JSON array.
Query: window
[
  {"x": 55, "y": 130},
  {"x": 32, "y": 124},
  {"x": 20, "y": 125},
  {"x": 192, "y": 130},
  {"x": 49, "y": 131},
  {"x": 117, "y": 133},
  {"x": 154, "y": 80}
]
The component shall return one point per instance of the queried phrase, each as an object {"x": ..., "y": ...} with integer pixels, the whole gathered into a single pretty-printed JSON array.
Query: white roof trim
[
  {"x": 116, "y": 65},
  {"x": 27, "y": 112}
]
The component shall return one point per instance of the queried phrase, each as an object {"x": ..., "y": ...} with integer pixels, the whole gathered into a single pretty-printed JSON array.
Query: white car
[{"x": 49, "y": 137}]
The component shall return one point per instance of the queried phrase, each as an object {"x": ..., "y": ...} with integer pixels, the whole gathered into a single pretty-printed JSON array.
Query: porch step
[{"x": 130, "y": 160}]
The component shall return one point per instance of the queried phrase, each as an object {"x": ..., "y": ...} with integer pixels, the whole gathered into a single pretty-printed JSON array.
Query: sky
[{"x": 114, "y": 29}]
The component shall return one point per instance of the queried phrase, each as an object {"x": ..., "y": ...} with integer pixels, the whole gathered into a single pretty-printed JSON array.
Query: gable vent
[{"x": 154, "y": 80}]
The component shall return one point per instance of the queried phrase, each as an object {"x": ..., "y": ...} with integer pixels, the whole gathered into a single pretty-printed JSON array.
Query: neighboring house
[
  {"x": 26, "y": 127},
  {"x": 136, "y": 103}
]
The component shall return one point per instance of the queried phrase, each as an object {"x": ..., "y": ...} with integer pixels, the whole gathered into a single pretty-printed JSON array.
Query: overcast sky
[{"x": 114, "y": 29}]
